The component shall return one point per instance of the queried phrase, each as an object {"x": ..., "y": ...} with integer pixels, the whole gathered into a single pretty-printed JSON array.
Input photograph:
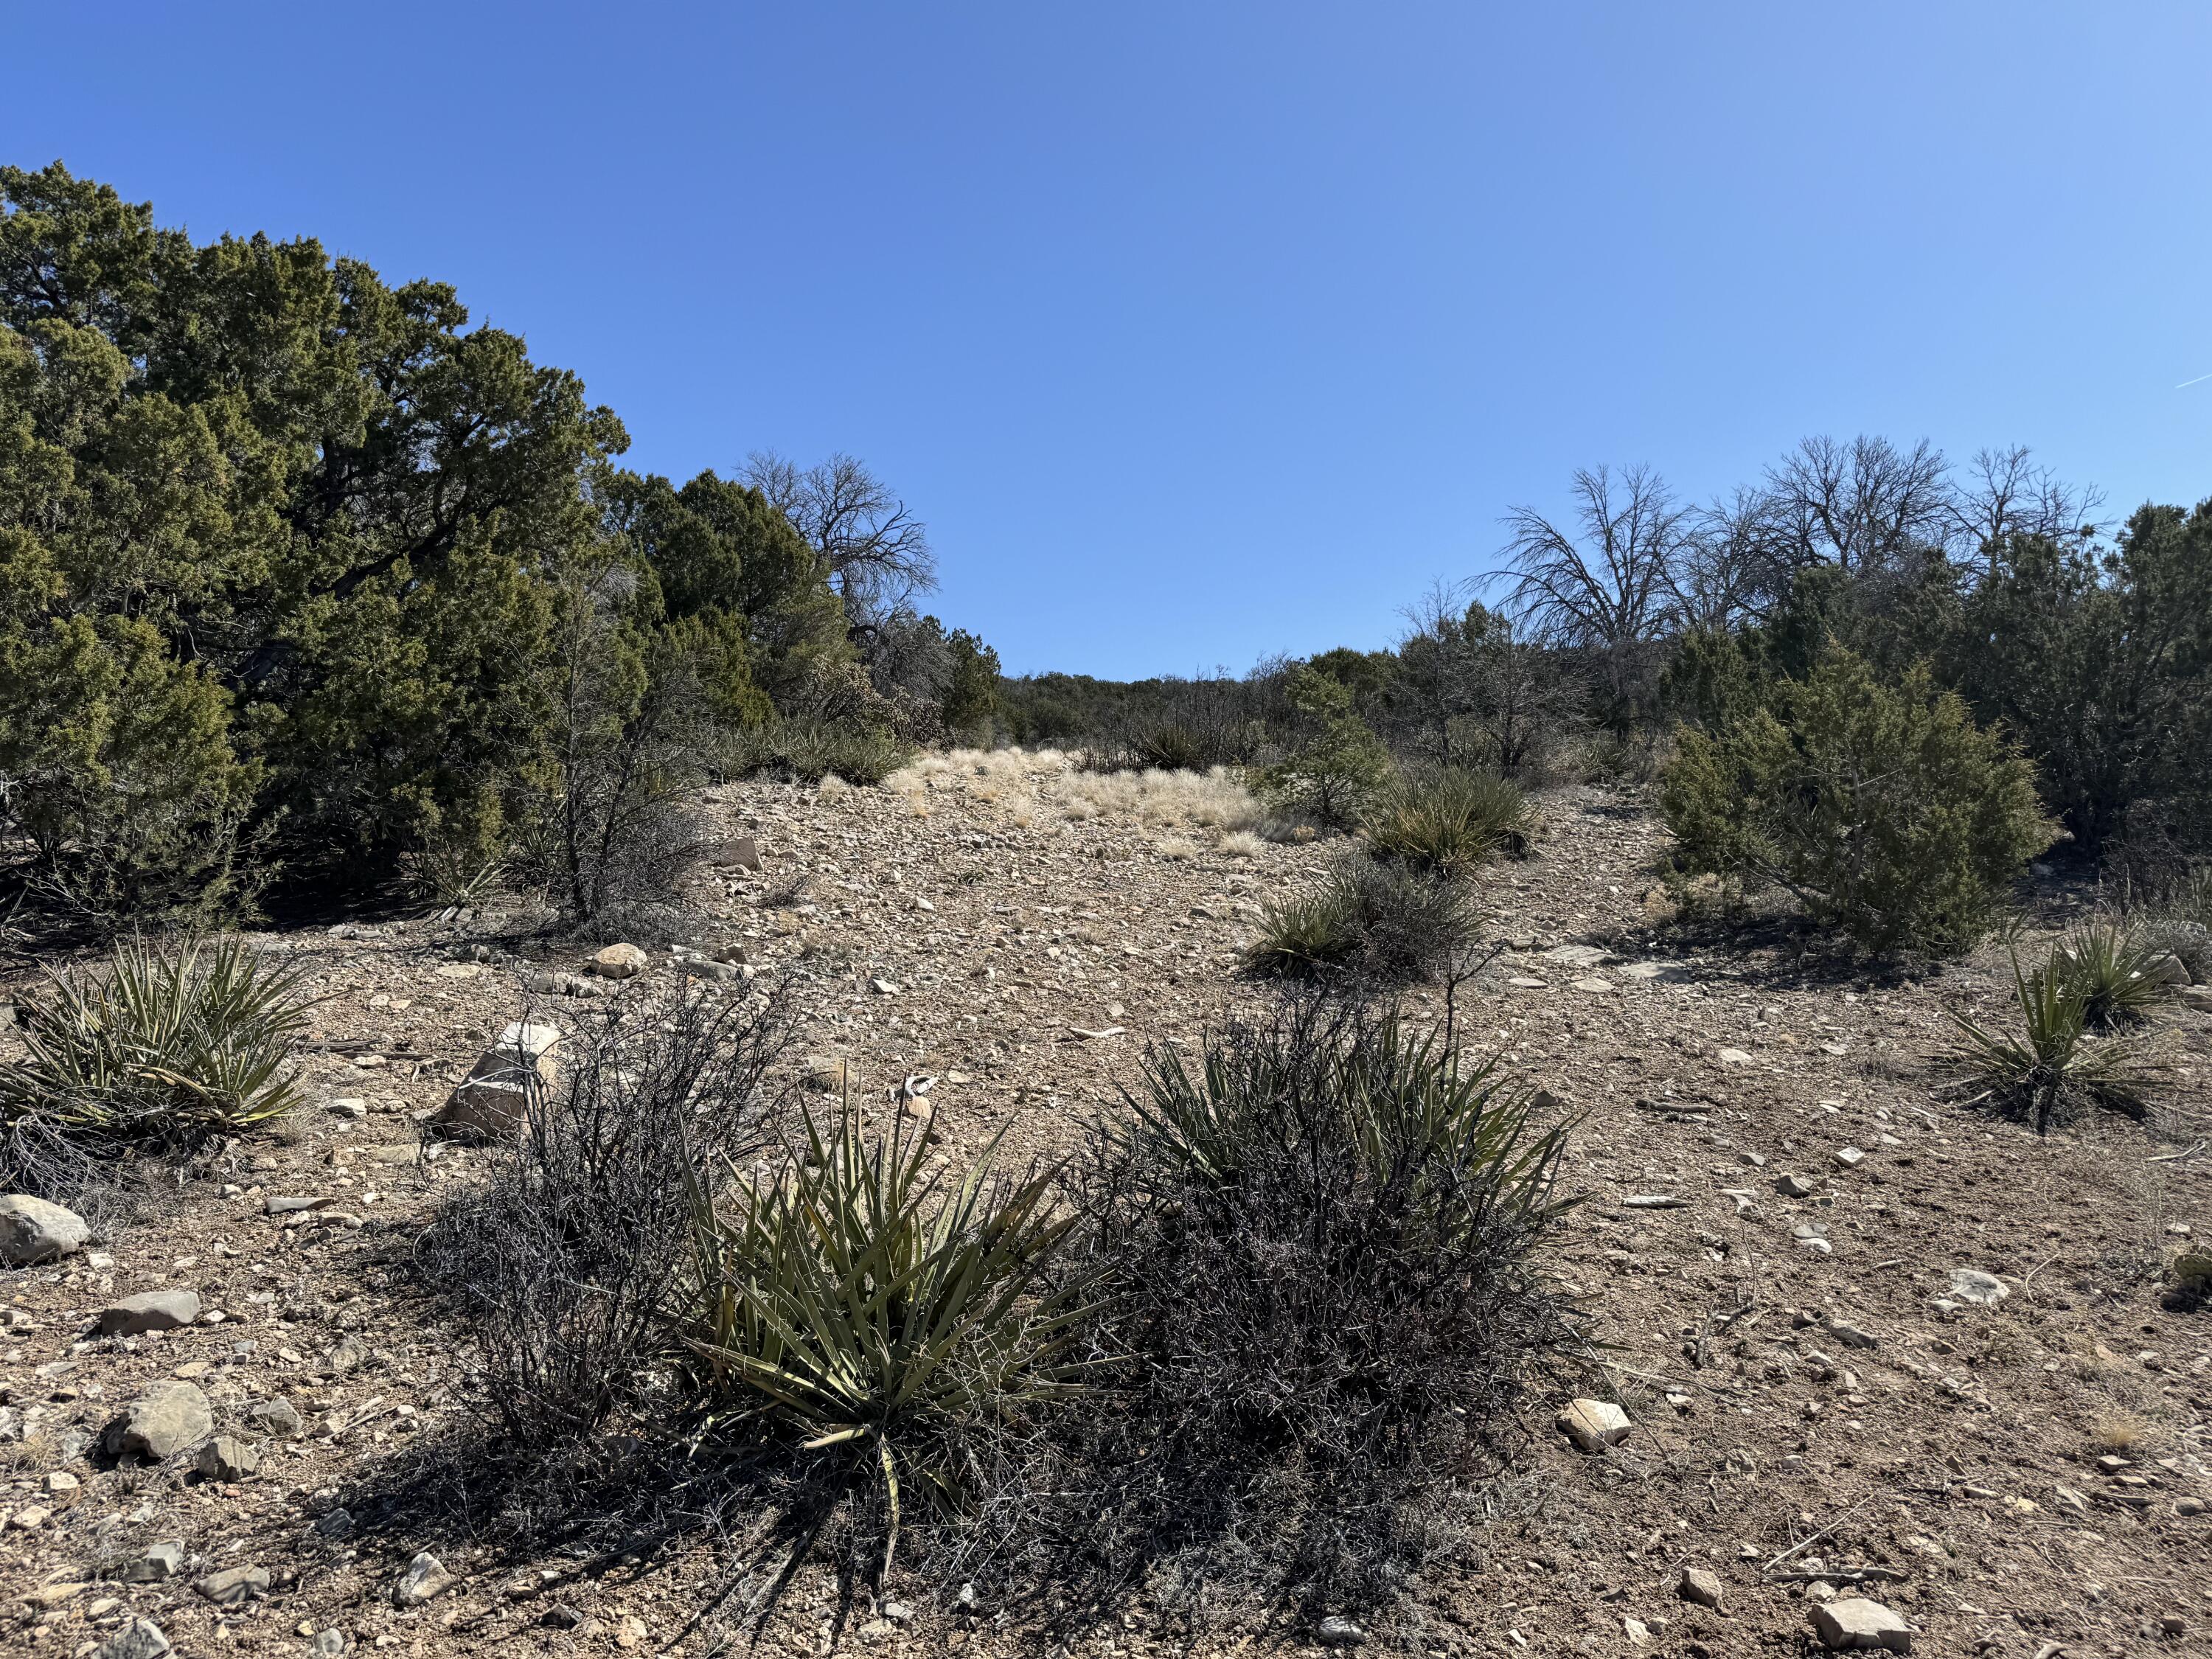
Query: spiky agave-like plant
[
  {"x": 174, "y": 1043},
  {"x": 2110, "y": 969},
  {"x": 861, "y": 1300},
  {"x": 2053, "y": 1059}
]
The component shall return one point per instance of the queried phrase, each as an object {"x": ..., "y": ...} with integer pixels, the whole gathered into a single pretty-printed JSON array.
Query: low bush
[
  {"x": 569, "y": 1259},
  {"x": 1323, "y": 1239},
  {"x": 810, "y": 750},
  {"x": 1337, "y": 762},
  {"x": 2111, "y": 973},
  {"x": 1378, "y": 925},
  {"x": 1448, "y": 819},
  {"x": 2053, "y": 1065},
  {"x": 1884, "y": 811},
  {"x": 172, "y": 1045},
  {"x": 853, "y": 1295}
]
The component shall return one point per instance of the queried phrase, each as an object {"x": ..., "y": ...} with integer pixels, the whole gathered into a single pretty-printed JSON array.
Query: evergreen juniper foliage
[
  {"x": 1885, "y": 810},
  {"x": 284, "y": 550}
]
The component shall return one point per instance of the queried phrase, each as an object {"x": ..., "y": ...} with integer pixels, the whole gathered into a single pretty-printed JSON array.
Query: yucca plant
[
  {"x": 443, "y": 874},
  {"x": 864, "y": 1303},
  {"x": 2109, "y": 969},
  {"x": 1384, "y": 924},
  {"x": 1323, "y": 1231},
  {"x": 1451, "y": 820},
  {"x": 173, "y": 1044},
  {"x": 1406, "y": 1102},
  {"x": 2053, "y": 1061},
  {"x": 1305, "y": 934}
]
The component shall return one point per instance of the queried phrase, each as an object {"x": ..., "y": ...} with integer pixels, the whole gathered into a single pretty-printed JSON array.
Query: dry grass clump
[
  {"x": 1216, "y": 799},
  {"x": 1005, "y": 778},
  {"x": 1242, "y": 844},
  {"x": 2119, "y": 1433}
]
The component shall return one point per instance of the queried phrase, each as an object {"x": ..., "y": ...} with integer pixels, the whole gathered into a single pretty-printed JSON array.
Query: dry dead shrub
[
  {"x": 1323, "y": 1236},
  {"x": 566, "y": 1261}
]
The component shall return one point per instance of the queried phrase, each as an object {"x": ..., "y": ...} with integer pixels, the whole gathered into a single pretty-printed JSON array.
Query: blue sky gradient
[{"x": 1198, "y": 332}]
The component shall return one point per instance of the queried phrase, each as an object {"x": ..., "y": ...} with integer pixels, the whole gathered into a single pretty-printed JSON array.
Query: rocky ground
[{"x": 1870, "y": 1342}]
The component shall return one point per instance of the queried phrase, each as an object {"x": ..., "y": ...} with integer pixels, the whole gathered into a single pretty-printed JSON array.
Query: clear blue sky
[{"x": 1200, "y": 331}]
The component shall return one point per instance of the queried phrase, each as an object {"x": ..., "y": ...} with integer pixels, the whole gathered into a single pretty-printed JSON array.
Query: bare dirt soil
[{"x": 1808, "y": 1419}]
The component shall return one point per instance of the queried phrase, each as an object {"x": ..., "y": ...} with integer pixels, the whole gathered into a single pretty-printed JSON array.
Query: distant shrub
[
  {"x": 1447, "y": 820},
  {"x": 171, "y": 1046},
  {"x": 1338, "y": 761},
  {"x": 1884, "y": 811},
  {"x": 1379, "y": 924},
  {"x": 810, "y": 749}
]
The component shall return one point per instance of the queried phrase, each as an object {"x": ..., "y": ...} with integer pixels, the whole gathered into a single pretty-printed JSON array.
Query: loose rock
[
  {"x": 232, "y": 1586},
  {"x": 274, "y": 1417},
  {"x": 425, "y": 1576},
  {"x": 150, "y": 1311},
  {"x": 492, "y": 1102},
  {"x": 1855, "y": 1622},
  {"x": 1969, "y": 1286},
  {"x": 157, "y": 1563},
  {"x": 619, "y": 962},
  {"x": 140, "y": 1638},
  {"x": 1593, "y": 1424},
  {"x": 33, "y": 1230},
  {"x": 228, "y": 1458},
  {"x": 165, "y": 1420},
  {"x": 1338, "y": 1632},
  {"x": 1700, "y": 1586}
]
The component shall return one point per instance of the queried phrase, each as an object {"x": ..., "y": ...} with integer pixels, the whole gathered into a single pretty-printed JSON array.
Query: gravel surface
[{"x": 1872, "y": 1344}]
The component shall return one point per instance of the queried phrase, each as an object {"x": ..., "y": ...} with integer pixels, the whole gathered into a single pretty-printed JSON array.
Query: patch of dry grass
[{"x": 1031, "y": 785}]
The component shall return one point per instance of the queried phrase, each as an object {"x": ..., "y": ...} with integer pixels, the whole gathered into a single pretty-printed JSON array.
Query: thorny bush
[{"x": 569, "y": 1259}]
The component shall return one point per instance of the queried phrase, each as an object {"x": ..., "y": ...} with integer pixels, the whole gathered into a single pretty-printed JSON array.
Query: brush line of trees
[
  {"x": 299, "y": 570},
  {"x": 2086, "y": 645}
]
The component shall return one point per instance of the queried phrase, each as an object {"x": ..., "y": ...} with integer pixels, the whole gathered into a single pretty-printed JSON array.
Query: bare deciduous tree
[
  {"x": 877, "y": 552},
  {"x": 2007, "y": 496},
  {"x": 1866, "y": 506},
  {"x": 1733, "y": 563},
  {"x": 1608, "y": 586}
]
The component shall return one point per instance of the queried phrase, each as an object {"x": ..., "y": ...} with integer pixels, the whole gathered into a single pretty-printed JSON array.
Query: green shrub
[
  {"x": 812, "y": 750},
  {"x": 1338, "y": 761},
  {"x": 1884, "y": 811},
  {"x": 281, "y": 554},
  {"x": 172, "y": 1045},
  {"x": 1323, "y": 1240},
  {"x": 1448, "y": 819},
  {"x": 859, "y": 1300},
  {"x": 2053, "y": 1064},
  {"x": 1380, "y": 925}
]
